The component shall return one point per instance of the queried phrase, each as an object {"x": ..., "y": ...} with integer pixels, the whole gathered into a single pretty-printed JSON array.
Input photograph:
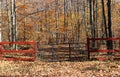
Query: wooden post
[
  {"x": 0, "y": 52},
  {"x": 88, "y": 48},
  {"x": 53, "y": 53},
  {"x": 0, "y": 29},
  {"x": 35, "y": 50},
  {"x": 69, "y": 52}
]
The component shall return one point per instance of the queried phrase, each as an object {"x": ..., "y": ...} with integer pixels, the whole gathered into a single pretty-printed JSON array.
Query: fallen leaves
[{"x": 60, "y": 69}]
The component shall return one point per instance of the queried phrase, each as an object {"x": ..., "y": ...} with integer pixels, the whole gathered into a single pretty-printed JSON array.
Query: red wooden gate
[
  {"x": 115, "y": 41},
  {"x": 19, "y": 51}
]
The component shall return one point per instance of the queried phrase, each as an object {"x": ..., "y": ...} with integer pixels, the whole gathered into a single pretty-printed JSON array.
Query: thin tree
[
  {"x": 78, "y": 21},
  {"x": 85, "y": 17},
  {"x": 65, "y": 22},
  {"x": 110, "y": 44},
  {"x": 91, "y": 6},
  {"x": 57, "y": 18},
  {"x": 104, "y": 18},
  {"x": 14, "y": 26},
  {"x": 96, "y": 19},
  {"x": 1, "y": 21}
]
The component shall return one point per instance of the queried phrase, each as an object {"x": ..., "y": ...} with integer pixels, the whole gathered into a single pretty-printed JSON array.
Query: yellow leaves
[
  {"x": 63, "y": 29},
  {"x": 47, "y": 20},
  {"x": 19, "y": 4},
  {"x": 73, "y": 16},
  {"x": 23, "y": 6}
]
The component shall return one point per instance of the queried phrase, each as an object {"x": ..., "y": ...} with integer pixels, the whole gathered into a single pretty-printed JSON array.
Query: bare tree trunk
[
  {"x": 14, "y": 27},
  {"x": 8, "y": 10},
  {"x": 91, "y": 6},
  {"x": 78, "y": 22},
  {"x": 96, "y": 19},
  {"x": 91, "y": 18},
  {"x": 57, "y": 19},
  {"x": 110, "y": 43},
  {"x": 47, "y": 21},
  {"x": 85, "y": 19},
  {"x": 71, "y": 24},
  {"x": 104, "y": 19},
  {"x": 9, "y": 20},
  {"x": 65, "y": 23},
  {"x": 0, "y": 21},
  {"x": 109, "y": 18}
]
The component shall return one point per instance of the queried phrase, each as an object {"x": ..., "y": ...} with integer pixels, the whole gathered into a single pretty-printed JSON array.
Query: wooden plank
[
  {"x": 17, "y": 43},
  {"x": 21, "y": 59},
  {"x": 103, "y": 39},
  {"x": 18, "y": 51},
  {"x": 102, "y": 51}
]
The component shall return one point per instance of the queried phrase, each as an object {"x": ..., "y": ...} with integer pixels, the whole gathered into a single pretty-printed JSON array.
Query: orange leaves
[
  {"x": 22, "y": 5},
  {"x": 52, "y": 20}
]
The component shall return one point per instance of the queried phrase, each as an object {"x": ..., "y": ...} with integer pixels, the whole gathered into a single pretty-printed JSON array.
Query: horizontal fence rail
[
  {"x": 29, "y": 51},
  {"x": 96, "y": 41},
  {"x": 62, "y": 52}
]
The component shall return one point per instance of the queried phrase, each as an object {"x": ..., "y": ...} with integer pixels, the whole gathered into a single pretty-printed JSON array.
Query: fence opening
[
  {"x": 62, "y": 52},
  {"x": 99, "y": 45},
  {"x": 25, "y": 51}
]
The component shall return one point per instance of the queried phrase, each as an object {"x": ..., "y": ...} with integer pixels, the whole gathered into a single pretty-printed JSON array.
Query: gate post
[
  {"x": 88, "y": 48},
  {"x": 69, "y": 51},
  {"x": 35, "y": 51},
  {"x": 0, "y": 52}
]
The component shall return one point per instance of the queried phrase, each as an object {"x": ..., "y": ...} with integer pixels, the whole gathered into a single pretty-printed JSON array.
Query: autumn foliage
[{"x": 55, "y": 21}]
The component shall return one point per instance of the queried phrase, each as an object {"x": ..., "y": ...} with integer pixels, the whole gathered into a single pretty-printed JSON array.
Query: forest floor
[{"x": 60, "y": 69}]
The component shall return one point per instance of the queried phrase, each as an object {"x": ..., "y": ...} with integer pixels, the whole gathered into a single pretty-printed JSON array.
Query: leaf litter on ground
[{"x": 60, "y": 69}]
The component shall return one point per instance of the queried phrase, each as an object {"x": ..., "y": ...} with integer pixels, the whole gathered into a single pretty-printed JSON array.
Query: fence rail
[
  {"x": 90, "y": 41},
  {"x": 62, "y": 52},
  {"x": 20, "y": 52}
]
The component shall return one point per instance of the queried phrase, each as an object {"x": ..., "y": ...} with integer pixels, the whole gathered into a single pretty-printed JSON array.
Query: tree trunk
[
  {"x": 110, "y": 44},
  {"x": 92, "y": 18},
  {"x": 0, "y": 21},
  {"x": 85, "y": 19},
  {"x": 104, "y": 19},
  {"x": 57, "y": 19},
  {"x": 14, "y": 27},
  {"x": 91, "y": 6},
  {"x": 9, "y": 20},
  {"x": 65, "y": 23},
  {"x": 78, "y": 22}
]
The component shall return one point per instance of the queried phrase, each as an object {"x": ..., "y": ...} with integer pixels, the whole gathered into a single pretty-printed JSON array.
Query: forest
[
  {"x": 64, "y": 32},
  {"x": 58, "y": 21}
]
